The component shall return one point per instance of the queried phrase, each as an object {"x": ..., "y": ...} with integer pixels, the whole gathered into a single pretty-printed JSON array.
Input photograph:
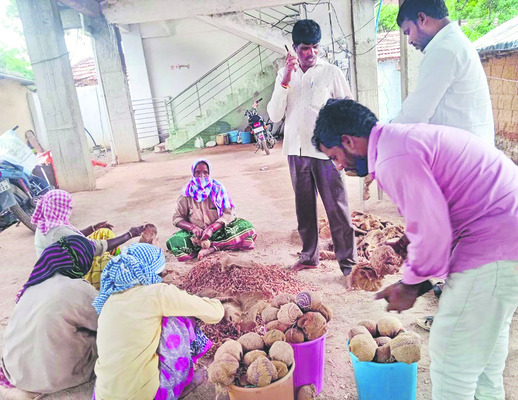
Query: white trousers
[{"x": 470, "y": 334}]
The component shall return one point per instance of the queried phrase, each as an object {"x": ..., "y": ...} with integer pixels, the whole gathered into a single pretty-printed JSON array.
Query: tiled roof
[
  {"x": 388, "y": 46},
  {"x": 84, "y": 72},
  {"x": 502, "y": 38}
]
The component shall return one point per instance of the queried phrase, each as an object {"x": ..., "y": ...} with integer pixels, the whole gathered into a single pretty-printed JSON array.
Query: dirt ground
[{"x": 129, "y": 195}]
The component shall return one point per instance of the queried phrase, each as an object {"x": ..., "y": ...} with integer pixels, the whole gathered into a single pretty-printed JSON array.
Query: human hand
[
  {"x": 101, "y": 225},
  {"x": 136, "y": 230},
  {"x": 197, "y": 231},
  {"x": 292, "y": 63},
  {"x": 400, "y": 296},
  {"x": 207, "y": 233},
  {"x": 399, "y": 245}
]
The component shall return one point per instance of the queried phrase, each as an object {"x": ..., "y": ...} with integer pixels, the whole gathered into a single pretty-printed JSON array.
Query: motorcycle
[
  {"x": 262, "y": 131},
  {"x": 19, "y": 189}
]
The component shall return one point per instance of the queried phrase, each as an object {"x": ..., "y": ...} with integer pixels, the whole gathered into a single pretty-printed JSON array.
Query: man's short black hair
[
  {"x": 342, "y": 117},
  {"x": 410, "y": 8},
  {"x": 306, "y": 31}
]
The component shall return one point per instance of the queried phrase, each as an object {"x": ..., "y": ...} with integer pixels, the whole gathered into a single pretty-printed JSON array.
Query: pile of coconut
[
  {"x": 298, "y": 318},
  {"x": 384, "y": 342}
]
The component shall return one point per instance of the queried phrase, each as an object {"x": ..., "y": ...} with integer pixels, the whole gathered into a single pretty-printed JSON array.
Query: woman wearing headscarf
[
  {"x": 49, "y": 343},
  {"x": 52, "y": 220},
  {"x": 206, "y": 216},
  {"x": 138, "y": 315}
]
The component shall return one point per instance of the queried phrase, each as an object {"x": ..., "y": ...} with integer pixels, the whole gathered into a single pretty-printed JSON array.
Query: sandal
[{"x": 425, "y": 322}]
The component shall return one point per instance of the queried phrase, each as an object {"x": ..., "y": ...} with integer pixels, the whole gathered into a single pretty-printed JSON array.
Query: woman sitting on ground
[
  {"x": 52, "y": 219},
  {"x": 49, "y": 343},
  {"x": 138, "y": 315},
  {"x": 206, "y": 216}
]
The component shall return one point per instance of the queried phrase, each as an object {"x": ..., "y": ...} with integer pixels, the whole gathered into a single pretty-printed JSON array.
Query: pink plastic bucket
[{"x": 309, "y": 358}]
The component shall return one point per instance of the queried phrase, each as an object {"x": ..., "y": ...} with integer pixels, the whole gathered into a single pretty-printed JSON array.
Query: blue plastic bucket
[
  {"x": 245, "y": 137},
  {"x": 233, "y": 135},
  {"x": 393, "y": 381}
]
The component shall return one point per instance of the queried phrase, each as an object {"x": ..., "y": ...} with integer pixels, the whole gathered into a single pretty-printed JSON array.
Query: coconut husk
[
  {"x": 289, "y": 313},
  {"x": 308, "y": 300},
  {"x": 282, "y": 369},
  {"x": 389, "y": 326},
  {"x": 313, "y": 324},
  {"x": 223, "y": 371},
  {"x": 277, "y": 325},
  {"x": 358, "y": 330},
  {"x": 253, "y": 355},
  {"x": 371, "y": 326},
  {"x": 307, "y": 392},
  {"x": 269, "y": 314},
  {"x": 281, "y": 299},
  {"x": 363, "y": 347},
  {"x": 273, "y": 336},
  {"x": 385, "y": 261},
  {"x": 282, "y": 351},
  {"x": 294, "y": 335},
  {"x": 324, "y": 310},
  {"x": 406, "y": 348},
  {"x": 251, "y": 341},
  {"x": 231, "y": 347},
  {"x": 364, "y": 277},
  {"x": 261, "y": 372}
]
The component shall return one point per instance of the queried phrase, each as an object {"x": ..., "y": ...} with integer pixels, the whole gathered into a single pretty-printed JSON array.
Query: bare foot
[
  {"x": 200, "y": 376},
  {"x": 205, "y": 252},
  {"x": 299, "y": 267}
]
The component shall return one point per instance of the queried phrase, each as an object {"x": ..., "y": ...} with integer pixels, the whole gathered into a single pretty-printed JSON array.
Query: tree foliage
[{"x": 476, "y": 17}]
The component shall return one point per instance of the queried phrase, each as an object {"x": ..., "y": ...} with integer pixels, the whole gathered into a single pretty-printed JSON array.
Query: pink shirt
[{"x": 459, "y": 197}]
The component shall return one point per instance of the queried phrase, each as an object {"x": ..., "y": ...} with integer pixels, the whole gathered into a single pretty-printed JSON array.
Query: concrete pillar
[
  {"x": 140, "y": 87},
  {"x": 57, "y": 93},
  {"x": 366, "y": 60},
  {"x": 410, "y": 59},
  {"x": 112, "y": 77}
]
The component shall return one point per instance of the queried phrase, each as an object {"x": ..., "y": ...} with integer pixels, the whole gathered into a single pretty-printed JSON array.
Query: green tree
[{"x": 387, "y": 21}]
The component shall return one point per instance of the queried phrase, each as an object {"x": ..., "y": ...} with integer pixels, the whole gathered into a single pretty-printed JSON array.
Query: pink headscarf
[{"x": 53, "y": 209}]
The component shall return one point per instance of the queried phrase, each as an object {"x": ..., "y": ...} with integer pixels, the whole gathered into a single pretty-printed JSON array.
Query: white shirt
[
  {"x": 307, "y": 94},
  {"x": 452, "y": 87}
]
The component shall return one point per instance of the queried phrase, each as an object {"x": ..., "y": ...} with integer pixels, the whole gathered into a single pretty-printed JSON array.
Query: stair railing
[
  {"x": 193, "y": 101},
  {"x": 282, "y": 17}
]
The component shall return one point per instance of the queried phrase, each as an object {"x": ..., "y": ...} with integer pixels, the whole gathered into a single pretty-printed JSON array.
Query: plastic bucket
[
  {"x": 245, "y": 137},
  {"x": 280, "y": 390},
  {"x": 220, "y": 139},
  {"x": 233, "y": 136},
  {"x": 309, "y": 357},
  {"x": 393, "y": 381}
]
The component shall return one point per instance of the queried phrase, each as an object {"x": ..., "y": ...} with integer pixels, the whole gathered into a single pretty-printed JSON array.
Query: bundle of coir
[{"x": 385, "y": 341}]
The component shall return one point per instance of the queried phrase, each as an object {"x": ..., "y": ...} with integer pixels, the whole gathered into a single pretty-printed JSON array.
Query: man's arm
[
  {"x": 436, "y": 74},
  {"x": 341, "y": 88},
  {"x": 277, "y": 106},
  {"x": 410, "y": 184}
]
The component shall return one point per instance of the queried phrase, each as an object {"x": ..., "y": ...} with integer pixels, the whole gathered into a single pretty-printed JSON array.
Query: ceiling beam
[
  {"x": 90, "y": 8},
  {"x": 141, "y": 11}
]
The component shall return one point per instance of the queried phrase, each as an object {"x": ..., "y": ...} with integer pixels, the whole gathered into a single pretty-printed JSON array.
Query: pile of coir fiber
[
  {"x": 244, "y": 287},
  {"x": 375, "y": 259}
]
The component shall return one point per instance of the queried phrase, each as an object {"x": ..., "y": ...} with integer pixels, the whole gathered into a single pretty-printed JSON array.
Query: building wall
[
  {"x": 389, "y": 89},
  {"x": 14, "y": 108},
  {"x": 95, "y": 116},
  {"x": 502, "y": 76}
]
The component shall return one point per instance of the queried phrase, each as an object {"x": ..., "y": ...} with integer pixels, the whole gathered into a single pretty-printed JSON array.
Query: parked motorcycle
[
  {"x": 19, "y": 191},
  {"x": 262, "y": 131}
]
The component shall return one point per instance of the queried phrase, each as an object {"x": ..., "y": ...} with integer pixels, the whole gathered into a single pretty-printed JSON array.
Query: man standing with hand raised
[{"x": 302, "y": 87}]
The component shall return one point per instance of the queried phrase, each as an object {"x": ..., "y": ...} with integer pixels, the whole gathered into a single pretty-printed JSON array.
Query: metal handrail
[{"x": 291, "y": 12}]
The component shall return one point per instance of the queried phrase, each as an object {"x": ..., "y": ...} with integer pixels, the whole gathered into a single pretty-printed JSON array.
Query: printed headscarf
[
  {"x": 201, "y": 188},
  {"x": 137, "y": 264},
  {"x": 70, "y": 256},
  {"x": 53, "y": 209}
]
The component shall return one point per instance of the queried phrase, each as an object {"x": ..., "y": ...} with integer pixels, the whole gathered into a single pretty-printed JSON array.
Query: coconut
[
  {"x": 307, "y": 300},
  {"x": 261, "y": 372},
  {"x": 231, "y": 347},
  {"x": 223, "y": 371},
  {"x": 371, "y": 326},
  {"x": 282, "y": 351},
  {"x": 389, "y": 326},
  {"x": 294, "y": 335},
  {"x": 205, "y": 244},
  {"x": 281, "y": 299},
  {"x": 363, "y": 346},
  {"x": 313, "y": 324},
  {"x": 273, "y": 336},
  {"x": 406, "y": 347},
  {"x": 253, "y": 355},
  {"x": 383, "y": 354},
  {"x": 382, "y": 340},
  {"x": 358, "y": 330},
  {"x": 251, "y": 341},
  {"x": 325, "y": 311},
  {"x": 282, "y": 369},
  {"x": 242, "y": 380},
  {"x": 269, "y": 314},
  {"x": 276, "y": 325},
  {"x": 307, "y": 392},
  {"x": 289, "y": 313}
]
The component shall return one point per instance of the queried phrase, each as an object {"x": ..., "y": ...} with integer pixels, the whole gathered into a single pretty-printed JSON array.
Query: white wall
[
  {"x": 95, "y": 117},
  {"x": 183, "y": 42},
  {"x": 14, "y": 108},
  {"x": 389, "y": 89}
]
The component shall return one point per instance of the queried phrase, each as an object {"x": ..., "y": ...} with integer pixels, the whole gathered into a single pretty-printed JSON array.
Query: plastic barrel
[
  {"x": 393, "y": 381},
  {"x": 245, "y": 137},
  {"x": 233, "y": 136},
  {"x": 309, "y": 357},
  {"x": 279, "y": 390}
]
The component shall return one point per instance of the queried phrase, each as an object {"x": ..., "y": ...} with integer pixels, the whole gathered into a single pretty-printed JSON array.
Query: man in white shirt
[
  {"x": 302, "y": 87},
  {"x": 452, "y": 87}
]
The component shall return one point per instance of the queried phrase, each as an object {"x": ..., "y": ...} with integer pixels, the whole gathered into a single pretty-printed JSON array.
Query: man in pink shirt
[{"x": 459, "y": 198}]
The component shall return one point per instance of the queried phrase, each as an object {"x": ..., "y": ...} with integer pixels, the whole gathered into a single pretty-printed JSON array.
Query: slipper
[{"x": 425, "y": 322}]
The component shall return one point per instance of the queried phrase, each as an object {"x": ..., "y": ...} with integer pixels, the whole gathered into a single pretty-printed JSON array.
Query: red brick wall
[{"x": 502, "y": 73}]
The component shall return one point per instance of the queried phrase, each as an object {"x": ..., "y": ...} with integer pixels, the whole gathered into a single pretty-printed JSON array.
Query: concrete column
[
  {"x": 140, "y": 87},
  {"x": 366, "y": 60},
  {"x": 57, "y": 93},
  {"x": 112, "y": 77},
  {"x": 410, "y": 59}
]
